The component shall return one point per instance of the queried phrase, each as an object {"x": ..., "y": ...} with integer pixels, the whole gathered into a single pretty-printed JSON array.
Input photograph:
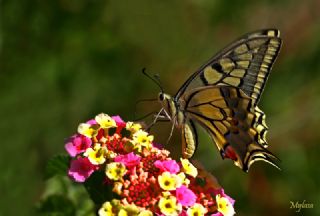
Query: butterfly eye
[{"x": 161, "y": 96}]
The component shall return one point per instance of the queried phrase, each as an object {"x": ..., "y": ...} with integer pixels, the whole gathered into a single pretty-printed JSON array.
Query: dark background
[{"x": 64, "y": 61}]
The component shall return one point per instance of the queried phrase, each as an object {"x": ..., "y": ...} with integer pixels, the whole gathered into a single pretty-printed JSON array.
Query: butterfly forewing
[
  {"x": 235, "y": 124},
  {"x": 245, "y": 64}
]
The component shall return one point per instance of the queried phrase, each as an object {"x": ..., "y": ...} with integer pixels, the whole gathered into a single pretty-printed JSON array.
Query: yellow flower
[
  {"x": 133, "y": 127},
  {"x": 196, "y": 210},
  {"x": 169, "y": 206},
  {"x": 106, "y": 210},
  {"x": 142, "y": 138},
  {"x": 122, "y": 212},
  {"x": 168, "y": 181},
  {"x": 115, "y": 170},
  {"x": 130, "y": 209},
  {"x": 224, "y": 206},
  {"x": 105, "y": 121},
  {"x": 88, "y": 130},
  {"x": 145, "y": 213},
  {"x": 188, "y": 167},
  {"x": 96, "y": 155},
  {"x": 183, "y": 179}
]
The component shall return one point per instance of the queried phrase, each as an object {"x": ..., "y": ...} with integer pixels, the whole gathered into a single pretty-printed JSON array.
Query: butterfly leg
[
  {"x": 156, "y": 119},
  {"x": 171, "y": 132}
]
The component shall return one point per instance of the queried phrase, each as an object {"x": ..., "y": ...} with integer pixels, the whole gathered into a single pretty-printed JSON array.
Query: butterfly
[{"x": 222, "y": 97}]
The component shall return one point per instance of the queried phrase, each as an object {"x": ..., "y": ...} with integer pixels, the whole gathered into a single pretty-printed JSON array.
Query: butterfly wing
[
  {"x": 234, "y": 123},
  {"x": 245, "y": 64}
]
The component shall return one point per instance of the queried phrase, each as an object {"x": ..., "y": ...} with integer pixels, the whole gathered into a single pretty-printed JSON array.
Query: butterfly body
[{"x": 222, "y": 98}]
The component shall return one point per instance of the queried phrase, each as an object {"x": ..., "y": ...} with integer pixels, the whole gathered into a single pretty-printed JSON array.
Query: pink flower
[
  {"x": 168, "y": 165},
  {"x": 77, "y": 144},
  {"x": 81, "y": 169},
  {"x": 185, "y": 196},
  {"x": 130, "y": 160},
  {"x": 120, "y": 123},
  {"x": 92, "y": 122}
]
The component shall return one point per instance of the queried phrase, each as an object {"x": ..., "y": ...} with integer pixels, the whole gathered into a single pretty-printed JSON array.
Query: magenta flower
[
  {"x": 91, "y": 122},
  {"x": 120, "y": 123},
  {"x": 81, "y": 169},
  {"x": 168, "y": 165},
  {"x": 77, "y": 144},
  {"x": 185, "y": 196},
  {"x": 129, "y": 160}
]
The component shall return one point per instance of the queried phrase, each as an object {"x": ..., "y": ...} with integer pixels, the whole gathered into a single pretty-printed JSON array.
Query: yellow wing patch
[{"x": 211, "y": 75}]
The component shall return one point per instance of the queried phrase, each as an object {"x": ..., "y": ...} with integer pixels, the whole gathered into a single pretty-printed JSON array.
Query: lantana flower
[
  {"x": 169, "y": 182},
  {"x": 196, "y": 210},
  {"x": 185, "y": 196},
  {"x": 142, "y": 139},
  {"x": 88, "y": 130},
  {"x": 133, "y": 127},
  {"x": 115, "y": 170},
  {"x": 77, "y": 144},
  {"x": 169, "y": 206},
  {"x": 81, "y": 169},
  {"x": 189, "y": 168},
  {"x": 129, "y": 160},
  {"x": 97, "y": 154},
  {"x": 106, "y": 209},
  {"x": 143, "y": 178},
  {"x": 105, "y": 121},
  {"x": 168, "y": 165}
]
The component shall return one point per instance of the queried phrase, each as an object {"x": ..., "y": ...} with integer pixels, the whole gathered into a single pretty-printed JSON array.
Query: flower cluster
[{"x": 146, "y": 180}]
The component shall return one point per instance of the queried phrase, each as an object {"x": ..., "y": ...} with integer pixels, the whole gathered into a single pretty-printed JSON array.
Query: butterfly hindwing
[
  {"x": 235, "y": 124},
  {"x": 245, "y": 64}
]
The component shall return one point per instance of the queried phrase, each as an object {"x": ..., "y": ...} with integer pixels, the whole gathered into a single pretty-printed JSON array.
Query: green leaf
[
  {"x": 98, "y": 190},
  {"x": 58, "y": 165},
  {"x": 56, "y": 205}
]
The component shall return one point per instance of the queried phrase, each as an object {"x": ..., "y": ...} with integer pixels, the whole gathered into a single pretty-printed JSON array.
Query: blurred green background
[{"x": 62, "y": 62}]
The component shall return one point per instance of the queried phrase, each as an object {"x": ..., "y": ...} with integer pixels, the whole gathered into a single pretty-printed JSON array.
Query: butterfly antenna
[
  {"x": 155, "y": 79},
  {"x": 140, "y": 101},
  {"x": 145, "y": 116}
]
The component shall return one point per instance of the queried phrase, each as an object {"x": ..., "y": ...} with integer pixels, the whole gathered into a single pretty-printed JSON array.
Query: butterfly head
[
  {"x": 167, "y": 103},
  {"x": 162, "y": 97}
]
